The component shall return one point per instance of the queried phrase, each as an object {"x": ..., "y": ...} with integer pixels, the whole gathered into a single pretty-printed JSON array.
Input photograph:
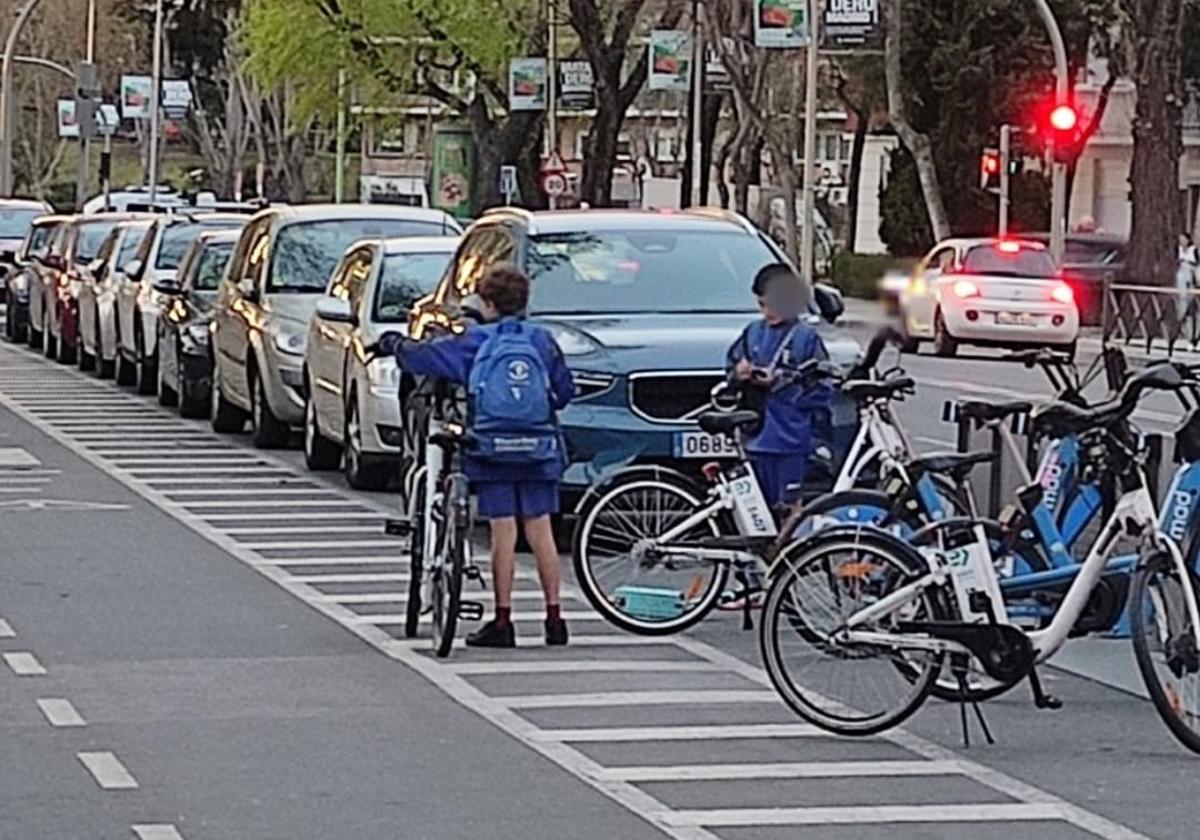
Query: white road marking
[
  {"x": 577, "y": 641},
  {"x": 133, "y": 464},
  {"x": 865, "y": 814},
  {"x": 363, "y": 577},
  {"x": 300, "y": 529},
  {"x": 12, "y": 490},
  {"x": 398, "y": 597},
  {"x": 24, "y": 664},
  {"x": 783, "y": 770},
  {"x": 303, "y": 519},
  {"x": 681, "y": 733},
  {"x": 60, "y": 712},
  {"x": 370, "y": 560},
  {"x": 258, "y": 491},
  {"x": 15, "y": 456},
  {"x": 278, "y": 481},
  {"x": 157, "y": 831},
  {"x": 518, "y": 616},
  {"x": 6, "y": 630},
  {"x": 108, "y": 771},
  {"x": 249, "y": 504},
  {"x": 571, "y": 666},
  {"x": 296, "y": 545},
  {"x": 690, "y": 697},
  {"x": 234, "y": 472}
]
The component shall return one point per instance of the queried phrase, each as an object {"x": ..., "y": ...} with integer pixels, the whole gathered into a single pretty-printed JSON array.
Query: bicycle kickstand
[
  {"x": 1042, "y": 700},
  {"x": 962, "y": 714}
]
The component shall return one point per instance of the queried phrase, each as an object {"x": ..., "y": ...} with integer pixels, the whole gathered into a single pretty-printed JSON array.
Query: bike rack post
[{"x": 996, "y": 478}]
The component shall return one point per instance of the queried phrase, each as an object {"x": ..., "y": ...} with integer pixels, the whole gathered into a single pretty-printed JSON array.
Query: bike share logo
[
  {"x": 1179, "y": 513},
  {"x": 1052, "y": 477},
  {"x": 751, "y": 504}
]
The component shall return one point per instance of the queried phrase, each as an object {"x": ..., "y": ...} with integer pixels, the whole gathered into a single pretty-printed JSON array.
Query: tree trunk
[
  {"x": 710, "y": 117},
  {"x": 600, "y": 154},
  {"x": 853, "y": 181},
  {"x": 1157, "y": 140},
  {"x": 917, "y": 143}
]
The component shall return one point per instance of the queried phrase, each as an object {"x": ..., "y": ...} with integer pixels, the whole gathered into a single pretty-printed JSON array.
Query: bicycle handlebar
[{"x": 879, "y": 342}]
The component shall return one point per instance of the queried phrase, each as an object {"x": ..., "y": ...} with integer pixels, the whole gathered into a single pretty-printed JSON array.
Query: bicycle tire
[
  {"x": 585, "y": 551},
  {"x": 1166, "y": 697},
  {"x": 446, "y": 583},
  {"x": 416, "y": 564},
  {"x": 891, "y": 563}
]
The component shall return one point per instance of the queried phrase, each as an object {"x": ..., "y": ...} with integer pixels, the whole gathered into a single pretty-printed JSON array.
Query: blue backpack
[{"x": 509, "y": 387}]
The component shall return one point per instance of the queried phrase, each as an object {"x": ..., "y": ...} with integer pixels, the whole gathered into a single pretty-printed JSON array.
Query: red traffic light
[
  {"x": 990, "y": 164},
  {"x": 1063, "y": 118}
]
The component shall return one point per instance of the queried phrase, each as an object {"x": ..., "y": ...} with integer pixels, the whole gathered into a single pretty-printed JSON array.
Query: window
[
  {"x": 90, "y": 238},
  {"x": 1012, "y": 262},
  {"x": 39, "y": 239},
  {"x": 130, "y": 241},
  {"x": 351, "y": 275},
  {"x": 210, "y": 266},
  {"x": 403, "y": 280},
  {"x": 483, "y": 250},
  {"x": 15, "y": 221},
  {"x": 177, "y": 237}
]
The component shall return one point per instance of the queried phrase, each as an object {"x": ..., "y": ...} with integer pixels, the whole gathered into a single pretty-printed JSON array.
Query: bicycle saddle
[
  {"x": 727, "y": 422},
  {"x": 986, "y": 412},
  {"x": 450, "y": 439},
  {"x": 875, "y": 389},
  {"x": 957, "y": 465}
]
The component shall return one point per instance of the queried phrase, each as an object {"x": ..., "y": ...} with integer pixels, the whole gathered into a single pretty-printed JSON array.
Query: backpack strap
[{"x": 783, "y": 347}]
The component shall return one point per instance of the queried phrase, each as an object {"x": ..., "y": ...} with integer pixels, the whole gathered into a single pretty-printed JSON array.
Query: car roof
[
  {"x": 967, "y": 242},
  {"x": 52, "y": 219},
  {"x": 200, "y": 217},
  {"x": 23, "y": 204},
  {"x": 100, "y": 218},
  {"x": 1110, "y": 239},
  {"x": 219, "y": 236},
  {"x": 421, "y": 244},
  {"x": 576, "y": 221},
  {"x": 319, "y": 212}
]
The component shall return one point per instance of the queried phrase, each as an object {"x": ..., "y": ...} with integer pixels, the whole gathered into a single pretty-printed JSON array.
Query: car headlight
[
  {"x": 573, "y": 342},
  {"x": 590, "y": 383},
  {"x": 384, "y": 373},
  {"x": 289, "y": 341}
]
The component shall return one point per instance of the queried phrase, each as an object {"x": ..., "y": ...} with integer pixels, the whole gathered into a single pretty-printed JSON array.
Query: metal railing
[{"x": 1157, "y": 319}]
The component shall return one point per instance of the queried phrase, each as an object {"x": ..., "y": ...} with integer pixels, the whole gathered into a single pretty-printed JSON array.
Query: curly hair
[{"x": 506, "y": 288}]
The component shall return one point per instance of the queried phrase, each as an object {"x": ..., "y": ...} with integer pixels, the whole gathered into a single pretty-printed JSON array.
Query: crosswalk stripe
[
  {"x": 257, "y": 491},
  {"x": 6, "y": 630},
  {"x": 577, "y": 641},
  {"x": 24, "y": 664},
  {"x": 108, "y": 771},
  {"x": 397, "y": 618},
  {"x": 570, "y": 666},
  {"x": 368, "y": 560},
  {"x": 864, "y": 814},
  {"x": 288, "y": 503},
  {"x": 59, "y": 712},
  {"x": 689, "y": 697},
  {"x": 157, "y": 831},
  {"x": 305, "y": 519},
  {"x": 782, "y": 770},
  {"x": 300, "y": 529},
  {"x": 680, "y": 733},
  {"x": 383, "y": 543}
]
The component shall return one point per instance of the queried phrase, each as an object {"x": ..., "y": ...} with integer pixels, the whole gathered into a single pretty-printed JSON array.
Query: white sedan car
[
  {"x": 352, "y": 407},
  {"x": 989, "y": 292}
]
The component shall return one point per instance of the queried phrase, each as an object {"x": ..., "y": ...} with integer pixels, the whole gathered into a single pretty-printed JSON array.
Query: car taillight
[
  {"x": 1007, "y": 246},
  {"x": 1062, "y": 293},
  {"x": 966, "y": 289}
]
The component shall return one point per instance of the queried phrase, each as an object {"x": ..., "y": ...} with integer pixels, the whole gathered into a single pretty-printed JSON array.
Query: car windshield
[
  {"x": 307, "y": 252},
  {"x": 404, "y": 278},
  {"x": 15, "y": 221},
  {"x": 129, "y": 245},
  {"x": 211, "y": 265},
  {"x": 177, "y": 238},
  {"x": 91, "y": 238},
  {"x": 676, "y": 270},
  {"x": 1009, "y": 260},
  {"x": 39, "y": 238}
]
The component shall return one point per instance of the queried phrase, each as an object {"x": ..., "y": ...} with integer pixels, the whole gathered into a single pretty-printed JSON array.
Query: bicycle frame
[{"x": 879, "y": 439}]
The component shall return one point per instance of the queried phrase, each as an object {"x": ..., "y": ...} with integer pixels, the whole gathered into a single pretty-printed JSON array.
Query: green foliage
[
  {"x": 904, "y": 224},
  {"x": 858, "y": 275}
]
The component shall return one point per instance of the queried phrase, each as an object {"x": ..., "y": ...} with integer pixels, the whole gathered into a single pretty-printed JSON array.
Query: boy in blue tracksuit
[
  {"x": 506, "y": 491},
  {"x": 760, "y": 358}
]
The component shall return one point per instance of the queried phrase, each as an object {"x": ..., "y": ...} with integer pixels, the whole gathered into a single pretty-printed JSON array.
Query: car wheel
[
  {"x": 49, "y": 344},
  {"x": 67, "y": 348},
  {"x": 943, "y": 343},
  {"x": 226, "y": 417},
  {"x": 87, "y": 362},
  {"x": 147, "y": 369},
  {"x": 193, "y": 402},
  {"x": 126, "y": 371},
  {"x": 20, "y": 329},
  {"x": 362, "y": 471},
  {"x": 167, "y": 395},
  {"x": 269, "y": 432},
  {"x": 320, "y": 453},
  {"x": 10, "y": 318}
]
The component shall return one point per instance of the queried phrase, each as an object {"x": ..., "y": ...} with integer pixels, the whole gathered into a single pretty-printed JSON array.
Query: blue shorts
[
  {"x": 522, "y": 499},
  {"x": 780, "y": 476}
]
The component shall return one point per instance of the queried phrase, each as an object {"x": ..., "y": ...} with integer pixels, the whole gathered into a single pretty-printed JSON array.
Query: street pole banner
[
  {"x": 850, "y": 24},
  {"x": 68, "y": 125},
  {"x": 670, "y": 60},
  {"x": 576, "y": 85},
  {"x": 527, "y": 84},
  {"x": 176, "y": 98},
  {"x": 453, "y": 171},
  {"x": 108, "y": 119},
  {"x": 780, "y": 24},
  {"x": 136, "y": 92}
]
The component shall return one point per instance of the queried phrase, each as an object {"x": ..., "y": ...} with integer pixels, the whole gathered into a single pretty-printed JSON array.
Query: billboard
[
  {"x": 670, "y": 60},
  {"x": 576, "y": 85},
  {"x": 780, "y": 24},
  {"x": 850, "y": 24},
  {"x": 68, "y": 125},
  {"x": 135, "y": 97},
  {"x": 527, "y": 84}
]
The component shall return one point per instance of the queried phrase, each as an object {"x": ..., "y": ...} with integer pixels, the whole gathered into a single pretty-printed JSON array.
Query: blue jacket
[
  {"x": 788, "y": 414},
  {"x": 451, "y": 358}
]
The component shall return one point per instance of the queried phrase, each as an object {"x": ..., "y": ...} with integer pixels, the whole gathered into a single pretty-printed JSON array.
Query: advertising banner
[
  {"x": 176, "y": 98},
  {"x": 68, "y": 126},
  {"x": 453, "y": 171},
  {"x": 780, "y": 24},
  {"x": 135, "y": 97},
  {"x": 576, "y": 85},
  {"x": 527, "y": 84},
  {"x": 850, "y": 24},
  {"x": 670, "y": 60}
]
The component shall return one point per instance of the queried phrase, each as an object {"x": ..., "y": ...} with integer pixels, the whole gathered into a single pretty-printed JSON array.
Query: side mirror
[
  {"x": 53, "y": 262},
  {"x": 248, "y": 289},
  {"x": 167, "y": 287},
  {"x": 336, "y": 310},
  {"x": 829, "y": 302},
  {"x": 133, "y": 270},
  {"x": 8, "y": 257}
]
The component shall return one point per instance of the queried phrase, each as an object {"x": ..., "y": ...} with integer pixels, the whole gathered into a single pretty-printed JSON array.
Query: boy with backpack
[
  {"x": 516, "y": 381},
  {"x": 760, "y": 359}
]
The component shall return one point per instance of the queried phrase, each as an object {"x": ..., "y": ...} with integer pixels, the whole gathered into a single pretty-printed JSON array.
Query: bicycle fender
[{"x": 864, "y": 535}]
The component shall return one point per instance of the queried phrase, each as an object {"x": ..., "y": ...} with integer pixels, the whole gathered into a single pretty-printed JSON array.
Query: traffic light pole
[
  {"x": 1005, "y": 165},
  {"x": 807, "y": 238},
  {"x": 1062, "y": 85}
]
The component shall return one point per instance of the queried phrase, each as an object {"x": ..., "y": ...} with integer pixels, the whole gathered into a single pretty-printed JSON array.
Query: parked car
[
  {"x": 43, "y": 272},
  {"x": 97, "y": 297},
  {"x": 989, "y": 292},
  {"x": 1089, "y": 260},
  {"x": 352, "y": 411},
  {"x": 138, "y": 299},
  {"x": 74, "y": 248},
  {"x": 184, "y": 354},
  {"x": 16, "y": 220},
  {"x": 278, "y": 272},
  {"x": 17, "y": 283},
  {"x": 644, "y": 306}
]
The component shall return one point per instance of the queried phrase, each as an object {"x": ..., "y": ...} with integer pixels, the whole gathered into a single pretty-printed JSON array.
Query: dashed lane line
[
  {"x": 6, "y": 630},
  {"x": 24, "y": 664},
  {"x": 108, "y": 771},
  {"x": 157, "y": 831},
  {"x": 60, "y": 712}
]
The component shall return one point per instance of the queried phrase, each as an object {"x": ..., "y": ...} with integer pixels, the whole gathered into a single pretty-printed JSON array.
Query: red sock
[
  {"x": 503, "y": 616},
  {"x": 553, "y": 613}
]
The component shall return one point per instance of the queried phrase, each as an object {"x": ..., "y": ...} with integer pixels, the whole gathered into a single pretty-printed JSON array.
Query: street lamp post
[
  {"x": 155, "y": 97},
  {"x": 7, "y": 95},
  {"x": 808, "y": 240},
  {"x": 1058, "y": 171},
  {"x": 698, "y": 60}
]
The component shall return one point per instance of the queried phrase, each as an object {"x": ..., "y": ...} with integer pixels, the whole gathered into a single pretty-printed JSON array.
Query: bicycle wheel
[
  {"x": 852, "y": 507},
  {"x": 446, "y": 574},
  {"x": 844, "y": 687},
  {"x": 652, "y": 597},
  {"x": 416, "y": 555},
  {"x": 1164, "y": 644}
]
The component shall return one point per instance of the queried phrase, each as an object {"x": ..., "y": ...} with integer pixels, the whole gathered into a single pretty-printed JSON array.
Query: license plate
[
  {"x": 1019, "y": 319},
  {"x": 703, "y": 445}
]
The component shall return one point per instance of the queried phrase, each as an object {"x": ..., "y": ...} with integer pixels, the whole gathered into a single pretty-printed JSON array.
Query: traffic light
[
  {"x": 989, "y": 170},
  {"x": 1062, "y": 127}
]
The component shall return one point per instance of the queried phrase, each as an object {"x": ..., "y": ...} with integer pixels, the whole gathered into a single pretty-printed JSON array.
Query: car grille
[{"x": 671, "y": 398}]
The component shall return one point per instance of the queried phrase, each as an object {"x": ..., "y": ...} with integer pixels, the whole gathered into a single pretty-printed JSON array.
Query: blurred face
[{"x": 782, "y": 301}]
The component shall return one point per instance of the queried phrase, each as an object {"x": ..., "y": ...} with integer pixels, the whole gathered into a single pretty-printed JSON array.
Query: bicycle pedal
[
  {"x": 470, "y": 610},
  {"x": 474, "y": 573},
  {"x": 398, "y": 528}
]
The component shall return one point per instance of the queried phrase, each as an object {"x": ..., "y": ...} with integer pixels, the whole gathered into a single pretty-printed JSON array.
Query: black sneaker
[
  {"x": 492, "y": 635},
  {"x": 556, "y": 633}
]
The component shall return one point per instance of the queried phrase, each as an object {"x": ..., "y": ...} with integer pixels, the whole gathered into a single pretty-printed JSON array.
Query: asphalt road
[{"x": 200, "y": 641}]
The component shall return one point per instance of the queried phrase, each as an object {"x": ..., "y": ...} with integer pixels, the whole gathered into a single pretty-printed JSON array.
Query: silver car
[
  {"x": 98, "y": 297},
  {"x": 278, "y": 272},
  {"x": 139, "y": 303},
  {"x": 352, "y": 412}
]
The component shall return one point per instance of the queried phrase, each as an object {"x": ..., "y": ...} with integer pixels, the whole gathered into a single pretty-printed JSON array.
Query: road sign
[
  {"x": 553, "y": 164},
  {"x": 508, "y": 182},
  {"x": 554, "y": 184}
]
